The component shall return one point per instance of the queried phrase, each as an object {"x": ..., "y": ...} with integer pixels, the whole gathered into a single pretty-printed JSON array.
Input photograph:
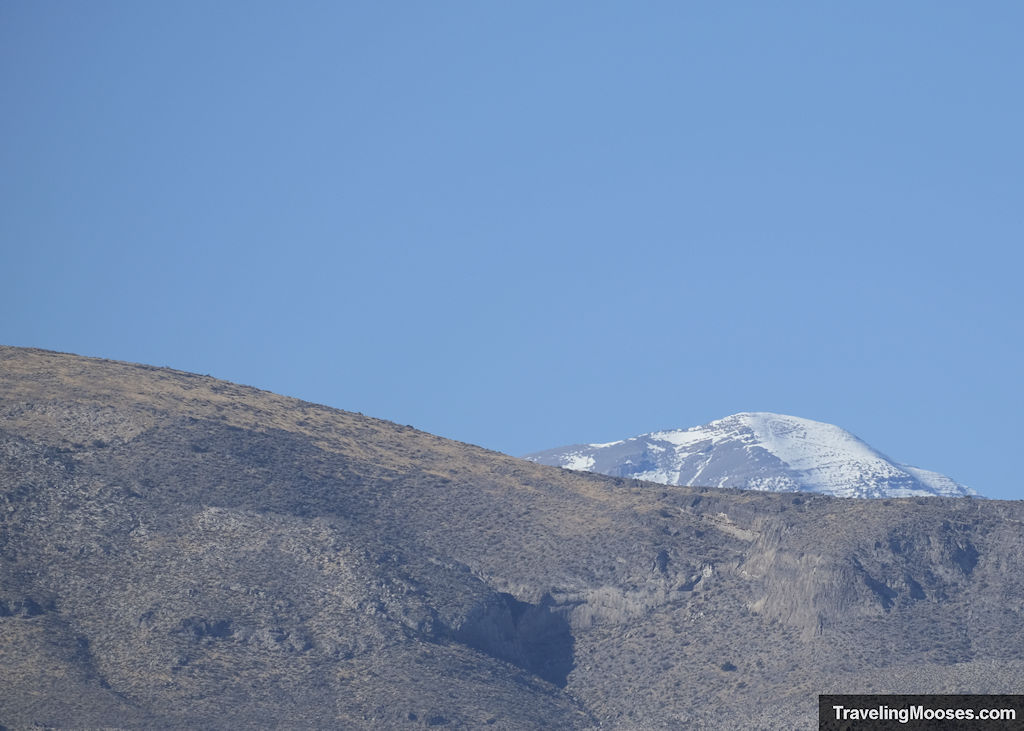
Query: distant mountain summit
[{"x": 757, "y": 451}]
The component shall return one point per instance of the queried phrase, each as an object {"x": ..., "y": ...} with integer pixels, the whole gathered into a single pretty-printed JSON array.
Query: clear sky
[{"x": 528, "y": 224}]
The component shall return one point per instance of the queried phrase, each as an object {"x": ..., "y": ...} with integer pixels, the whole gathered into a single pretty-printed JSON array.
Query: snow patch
[{"x": 577, "y": 461}]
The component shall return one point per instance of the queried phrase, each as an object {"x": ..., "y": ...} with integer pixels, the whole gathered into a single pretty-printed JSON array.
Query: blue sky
[{"x": 529, "y": 224}]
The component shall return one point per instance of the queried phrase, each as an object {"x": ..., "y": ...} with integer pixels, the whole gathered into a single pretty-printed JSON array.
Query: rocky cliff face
[{"x": 180, "y": 551}]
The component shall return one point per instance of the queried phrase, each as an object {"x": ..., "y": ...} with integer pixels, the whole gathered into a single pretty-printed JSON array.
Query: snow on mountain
[{"x": 757, "y": 451}]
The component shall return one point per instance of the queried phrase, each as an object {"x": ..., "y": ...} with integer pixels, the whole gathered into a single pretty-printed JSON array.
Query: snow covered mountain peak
[{"x": 757, "y": 451}]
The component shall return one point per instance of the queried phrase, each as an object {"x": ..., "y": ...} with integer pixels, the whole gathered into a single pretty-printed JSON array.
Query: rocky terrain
[
  {"x": 757, "y": 451},
  {"x": 178, "y": 551}
]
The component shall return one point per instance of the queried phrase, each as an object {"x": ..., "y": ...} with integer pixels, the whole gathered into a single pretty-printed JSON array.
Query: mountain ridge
[{"x": 758, "y": 451}]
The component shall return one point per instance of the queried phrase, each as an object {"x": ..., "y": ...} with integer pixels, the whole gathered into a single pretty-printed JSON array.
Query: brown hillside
[{"x": 181, "y": 551}]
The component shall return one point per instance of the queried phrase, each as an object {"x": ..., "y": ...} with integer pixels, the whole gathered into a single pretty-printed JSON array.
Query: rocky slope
[
  {"x": 757, "y": 451},
  {"x": 177, "y": 551}
]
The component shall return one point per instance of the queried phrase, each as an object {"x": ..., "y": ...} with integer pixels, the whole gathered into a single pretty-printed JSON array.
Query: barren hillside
[{"x": 181, "y": 551}]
